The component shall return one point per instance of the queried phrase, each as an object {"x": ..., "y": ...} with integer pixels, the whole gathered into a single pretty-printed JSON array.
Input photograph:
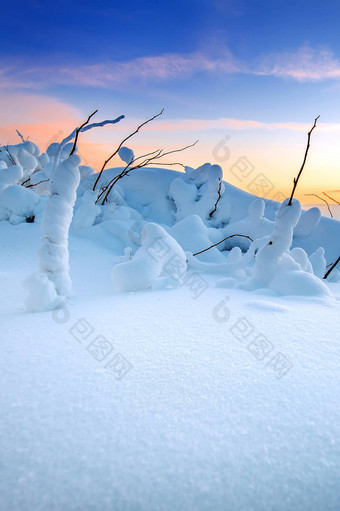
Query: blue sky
[{"x": 257, "y": 71}]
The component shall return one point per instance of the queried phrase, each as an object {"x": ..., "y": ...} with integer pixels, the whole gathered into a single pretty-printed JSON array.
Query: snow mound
[
  {"x": 17, "y": 204},
  {"x": 9, "y": 175},
  {"x": 193, "y": 236},
  {"x": 160, "y": 258}
]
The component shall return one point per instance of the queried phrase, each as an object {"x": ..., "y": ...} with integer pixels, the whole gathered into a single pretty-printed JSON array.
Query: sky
[{"x": 245, "y": 78}]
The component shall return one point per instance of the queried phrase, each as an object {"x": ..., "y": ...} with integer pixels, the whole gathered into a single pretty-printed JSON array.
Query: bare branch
[
  {"x": 78, "y": 131},
  {"x": 81, "y": 129},
  {"x": 169, "y": 164},
  {"x": 332, "y": 268},
  {"x": 26, "y": 181},
  {"x": 121, "y": 144},
  {"x": 218, "y": 198},
  {"x": 296, "y": 180},
  {"x": 336, "y": 202},
  {"x": 177, "y": 150},
  {"x": 318, "y": 196},
  {"x": 149, "y": 160},
  {"x": 39, "y": 182},
  {"x": 10, "y": 155},
  {"x": 215, "y": 244}
]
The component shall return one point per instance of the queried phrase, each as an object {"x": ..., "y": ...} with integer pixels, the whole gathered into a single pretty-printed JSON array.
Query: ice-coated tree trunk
[
  {"x": 54, "y": 254},
  {"x": 51, "y": 286}
]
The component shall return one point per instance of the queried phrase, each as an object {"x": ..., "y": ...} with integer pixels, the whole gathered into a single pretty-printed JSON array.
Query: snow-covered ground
[
  {"x": 215, "y": 392},
  {"x": 198, "y": 422}
]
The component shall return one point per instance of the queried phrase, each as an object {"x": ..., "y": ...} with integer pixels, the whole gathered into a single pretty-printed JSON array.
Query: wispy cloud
[
  {"x": 108, "y": 74},
  {"x": 235, "y": 124},
  {"x": 305, "y": 64}
]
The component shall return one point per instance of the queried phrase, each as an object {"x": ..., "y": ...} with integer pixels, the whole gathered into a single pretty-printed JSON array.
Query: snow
[
  {"x": 198, "y": 422},
  {"x": 53, "y": 253},
  {"x": 18, "y": 203},
  {"x": 153, "y": 264},
  {"x": 126, "y": 154},
  {"x": 164, "y": 380}
]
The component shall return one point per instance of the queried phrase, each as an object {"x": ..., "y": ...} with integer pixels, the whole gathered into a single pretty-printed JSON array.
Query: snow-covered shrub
[
  {"x": 193, "y": 235},
  {"x": 124, "y": 223},
  {"x": 276, "y": 267},
  {"x": 18, "y": 204},
  {"x": 87, "y": 212},
  {"x": 318, "y": 262},
  {"x": 254, "y": 225},
  {"x": 160, "y": 262},
  {"x": 309, "y": 220},
  {"x": 199, "y": 192},
  {"x": 9, "y": 175},
  {"x": 24, "y": 154},
  {"x": 85, "y": 171}
]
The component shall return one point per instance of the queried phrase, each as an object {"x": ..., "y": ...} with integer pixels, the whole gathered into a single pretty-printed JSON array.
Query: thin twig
[
  {"x": 10, "y": 156},
  {"x": 215, "y": 245},
  {"x": 336, "y": 202},
  {"x": 169, "y": 164},
  {"x": 318, "y": 196},
  {"x": 121, "y": 144},
  {"x": 35, "y": 184},
  {"x": 295, "y": 180},
  {"x": 26, "y": 181},
  {"x": 71, "y": 136},
  {"x": 332, "y": 268},
  {"x": 130, "y": 166},
  {"x": 177, "y": 150},
  {"x": 218, "y": 198},
  {"x": 79, "y": 129}
]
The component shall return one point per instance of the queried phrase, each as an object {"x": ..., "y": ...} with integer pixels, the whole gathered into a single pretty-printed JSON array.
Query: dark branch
[
  {"x": 39, "y": 182},
  {"x": 336, "y": 202},
  {"x": 149, "y": 160},
  {"x": 296, "y": 180},
  {"x": 121, "y": 144},
  {"x": 218, "y": 198},
  {"x": 215, "y": 245},
  {"x": 79, "y": 129},
  {"x": 318, "y": 196},
  {"x": 332, "y": 268}
]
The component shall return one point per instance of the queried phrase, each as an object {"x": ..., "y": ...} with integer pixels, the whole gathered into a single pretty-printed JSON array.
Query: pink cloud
[
  {"x": 234, "y": 124},
  {"x": 305, "y": 64}
]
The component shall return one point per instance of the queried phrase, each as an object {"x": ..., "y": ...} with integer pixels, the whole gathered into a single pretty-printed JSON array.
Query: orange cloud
[{"x": 43, "y": 119}]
